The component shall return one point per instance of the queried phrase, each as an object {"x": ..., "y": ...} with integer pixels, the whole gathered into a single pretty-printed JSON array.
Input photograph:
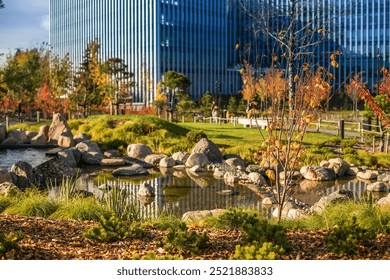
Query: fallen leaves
[{"x": 62, "y": 240}]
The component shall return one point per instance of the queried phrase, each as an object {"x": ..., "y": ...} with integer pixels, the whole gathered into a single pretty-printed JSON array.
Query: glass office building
[
  {"x": 199, "y": 38},
  {"x": 153, "y": 37}
]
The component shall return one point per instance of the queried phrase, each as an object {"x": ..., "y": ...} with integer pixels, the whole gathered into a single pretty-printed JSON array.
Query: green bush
[
  {"x": 346, "y": 237},
  {"x": 195, "y": 136},
  {"x": 109, "y": 230},
  {"x": 349, "y": 151},
  {"x": 179, "y": 239},
  {"x": 9, "y": 243},
  {"x": 348, "y": 143},
  {"x": 257, "y": 251},
  {"x": 253, "y": 227}
]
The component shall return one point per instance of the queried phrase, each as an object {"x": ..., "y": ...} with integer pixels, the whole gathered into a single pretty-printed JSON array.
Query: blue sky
[{"x": 23, "y": 24}]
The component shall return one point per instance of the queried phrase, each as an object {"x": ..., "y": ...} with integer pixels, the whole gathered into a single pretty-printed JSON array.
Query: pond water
[
  {"x": 178, "y": 192},
  {"x": 10, "y": 156}
]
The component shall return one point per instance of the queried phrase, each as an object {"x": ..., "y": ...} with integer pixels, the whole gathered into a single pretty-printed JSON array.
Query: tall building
[
  {"x": 200, "y": 37},
  {"x": 152, "y": 37}
]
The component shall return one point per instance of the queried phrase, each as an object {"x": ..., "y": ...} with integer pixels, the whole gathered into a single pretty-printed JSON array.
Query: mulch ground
[{"x": 62, "y": 240}]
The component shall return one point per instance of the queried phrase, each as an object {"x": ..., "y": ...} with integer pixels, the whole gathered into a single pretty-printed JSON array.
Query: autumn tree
[
  {"x": 177, "y": 85},
  {"x": 88, "y": 79},
  {"x": 353, "y": 93},
  {"x": 120, "y": 81}
]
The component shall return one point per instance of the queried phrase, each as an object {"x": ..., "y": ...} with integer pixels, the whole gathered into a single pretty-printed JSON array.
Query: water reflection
[{"x": 178, "y": 192}]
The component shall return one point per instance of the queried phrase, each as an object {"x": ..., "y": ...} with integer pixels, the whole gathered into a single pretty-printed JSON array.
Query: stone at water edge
[
  {"x": 197, "y": 159},
  {"x": 113, "y": 162},
  {"x": 377, "y": 187},
  {"x": 67, "y": 157},
  {"x": 367, "y": 175},
  {"x": 134, "y": 170},
  {"x": 23, "y": 174},
  {"x": 138, "y": 151},
  {"x": 59, "y": 127},
  {"x": 167, "y": 162},
  {"x": 208, "y": 148},
  {"x": 180, "y": 157},
  {"x": 318, "y": 173},
  {"x": 40, "y": 139}
]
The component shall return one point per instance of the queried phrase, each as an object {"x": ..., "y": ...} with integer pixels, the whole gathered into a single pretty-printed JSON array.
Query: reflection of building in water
[
  {"x": 179, "y": 195},
  {"x": 357, "y": 187}
]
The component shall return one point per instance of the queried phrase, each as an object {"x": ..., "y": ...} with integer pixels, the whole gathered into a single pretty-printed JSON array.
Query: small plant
[
  {"x": 195, "y": 136},
  {"x": 9, "y": 244},
  {"x": 346, "y": 237},
  {"x": 257, "y": 251},
  {"x": 180, "y": 239},
  {"x": 348, "y": 143},
  {"x": 5, "y": 202},
  {"x": 109, "y": 230}
]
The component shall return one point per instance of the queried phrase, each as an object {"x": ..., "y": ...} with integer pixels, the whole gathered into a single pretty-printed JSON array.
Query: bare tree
[{"x": 1, "y": 4}]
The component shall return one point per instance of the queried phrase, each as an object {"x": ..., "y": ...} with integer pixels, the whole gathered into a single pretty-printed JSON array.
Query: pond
[
  {"x": 178, "y": 192},
  {"x": 33, "y": 156}
]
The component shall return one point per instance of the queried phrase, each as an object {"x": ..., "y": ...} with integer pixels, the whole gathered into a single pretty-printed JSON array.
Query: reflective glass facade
[
  {"x": 153, "y": 37},
  {"x": 199, "y": 38}
]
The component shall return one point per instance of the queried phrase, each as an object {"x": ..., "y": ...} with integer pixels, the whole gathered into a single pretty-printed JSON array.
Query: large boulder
[
  {"x": 236, "y": 161},
  {"x": 39, "y": 139},
  {"x": 167, "y": 162},
  {"x": 44, "y": 130},
  {"x": 197, "y": 215},
  {"x": 257, "y": 179},
  {"x": 9, "y": 141},
  {"x": 88, "y": 147},
  {"x": 180, "y": 157},
  {"x": 289, "y": 212},
  {"x": 367, "y": 175},
  {"x": 339, "y": 166},
  {"x": 197, "y": 159},
  {"x": 30, "y": 135},
  {"x": 154, "y": 159},
  {"x": 318, "y": 173},
  {"x": 138, "y": 151},
  {"x": 80, "y": 137},
  {"x": 67, "y": 157},
  {"x": 208, "y": 148},
  {"x": 384, "y": 201},
  {"x": 60, "y": 132},
  {"x": 23, "y": 174},
  {"x": 19, "y": 135},
  {"x": 5, "y": 176}
]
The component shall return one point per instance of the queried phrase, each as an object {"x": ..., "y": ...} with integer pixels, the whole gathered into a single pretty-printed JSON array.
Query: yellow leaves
[
  {"x": 305, "y": 67},
  {"x": 270, "y": 174},
  {"x": 237, "y": 46},
  {"x": 271, "y": 127},
  {"x": 334, "y": 64},
  {"x": 322, "y": 31},
  {"x": 275, "y": 58},
  {"x": 296, "y": 78}
]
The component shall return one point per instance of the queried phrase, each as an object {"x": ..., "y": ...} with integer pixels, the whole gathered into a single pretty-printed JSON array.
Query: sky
[{"x": 24, "y": 24}]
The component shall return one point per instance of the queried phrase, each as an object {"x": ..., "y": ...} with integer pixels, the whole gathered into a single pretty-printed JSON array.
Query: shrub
[
  {"x": 9, "y": 243},
  {"x": 349, "y": 151},
  {"x": 109, "y": 230},
  {"x": 5, "y": 202},
  {"x": 181, "y": 240},
  {"x": 346, "y": 237},
  {"x": 195, "y": 136},
  {"x": 348, "y": 143},
  {"x": 257, "y": 251}
]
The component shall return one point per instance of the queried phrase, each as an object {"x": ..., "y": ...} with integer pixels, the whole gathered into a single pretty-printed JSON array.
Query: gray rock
[
  {"x": 197, "y": 215},
  {"x": 231, "y": 178},
  {"x": 289, "y": 212},
  {"x": 44, "y": 130},
  {"x": 30, "y": 135},
  {"x": 112, "y": 154},
  {"x": 255, "y": 168},
  {"x": 5, "y": 176},
  {"x": 9, "y": 141},
  {"x": 39, "y": 139},
  {"x": 146, "y": 190},
  {"x": 218, "y": 173},
  {"x": 167, "y": 162},
  {"x": 377, "y": 187},
  {"x": 67, "y": 157},
  {"x": 384, "y": 178},
  {"x": 197, "y": 159},
  {"x": 59, "y": 127},
  {"x": 88, "y": 147},
  {"x": 23, "y": 174},
  {"x": 134, "y": 170},
  {"x": 340, "y": 166},
  {"x": 19, "y": 135},
  {"x": 318, "y": 173},
  {"x": 91, "y": 158},
  {"x": 237, "y": 162},
  {"x": 113, "y": 162},
  {"x": 334, "y": 197},
  {"x": 180, "y": 157},
  {"x": 80, "y": 137},
  {"x": 257, "y": 179},
  {"x": 77, "y": 154},
  {"x": 353, "y": 171},
  {"x": 367, "y": 175},
  {"x": 138, "y": 151},
  {"x": 154, "y": 159},
  {"x": 384, "y": 201},
  {"x": 208, "y": 148},
  {"x": 267, "y": 201},
  {"x": 293, "y": 175},
  {"x": 196, "y": 169}
]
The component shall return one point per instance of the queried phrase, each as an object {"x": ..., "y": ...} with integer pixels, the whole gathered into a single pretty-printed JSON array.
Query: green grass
[
  {"x": 81, "y": 209},
  {"x": 5, "y": 202}
]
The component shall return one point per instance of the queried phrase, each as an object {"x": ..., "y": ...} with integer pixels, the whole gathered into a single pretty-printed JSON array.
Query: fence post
[
  {"x": 38, "y": 117},
  {"x": 7, "y": 122},
  {"x": 341, "y": 128},
  {"x": 319, "y": 125},
  {"x": 373, "y": 144},
  {"x": 388, "y": 142}
]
